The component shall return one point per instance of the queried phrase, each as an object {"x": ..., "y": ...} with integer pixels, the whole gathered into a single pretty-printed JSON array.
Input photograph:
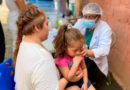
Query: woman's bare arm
[{"x": 21, "y": 4}]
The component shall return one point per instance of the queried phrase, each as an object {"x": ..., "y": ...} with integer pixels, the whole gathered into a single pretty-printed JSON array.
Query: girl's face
[{"x": 75, "y": 48}]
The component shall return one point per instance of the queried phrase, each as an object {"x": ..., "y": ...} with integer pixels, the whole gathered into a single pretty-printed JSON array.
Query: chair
[{"x": 7, "y": 75}]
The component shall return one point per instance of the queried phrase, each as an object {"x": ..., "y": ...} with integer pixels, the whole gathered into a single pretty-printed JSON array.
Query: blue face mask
[{"x": 88, "y": 23}]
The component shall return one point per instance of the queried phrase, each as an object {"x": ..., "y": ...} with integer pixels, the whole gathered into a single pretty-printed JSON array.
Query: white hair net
[{"x": 92, "y": 8}]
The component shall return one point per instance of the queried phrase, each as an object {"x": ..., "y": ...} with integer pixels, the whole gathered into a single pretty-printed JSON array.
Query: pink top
[{"x": 64, "y": 61}]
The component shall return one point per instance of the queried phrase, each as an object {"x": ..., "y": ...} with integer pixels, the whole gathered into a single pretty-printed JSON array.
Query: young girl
[{"x": 68, "y": 46}]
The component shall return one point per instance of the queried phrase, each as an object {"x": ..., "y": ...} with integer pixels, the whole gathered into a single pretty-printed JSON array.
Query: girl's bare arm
[{"x": 85, "y": 75}]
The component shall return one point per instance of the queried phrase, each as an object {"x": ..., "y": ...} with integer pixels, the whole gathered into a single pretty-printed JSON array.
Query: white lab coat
[
  {"x": 100, "y": 44},
  {"x": 79, "y": 26}
]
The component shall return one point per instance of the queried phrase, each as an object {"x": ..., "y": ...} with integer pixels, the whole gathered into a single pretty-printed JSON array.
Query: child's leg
[
  {"x": 91, "y": 87},
  {"x": 62, "y": 83},
  {"x": 73, "y": 88}
]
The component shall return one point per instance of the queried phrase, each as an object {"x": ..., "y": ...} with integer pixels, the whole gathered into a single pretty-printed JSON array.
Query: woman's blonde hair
[
  {"x": 30, "y": 17},
  {"x": 64, "y": 38}
]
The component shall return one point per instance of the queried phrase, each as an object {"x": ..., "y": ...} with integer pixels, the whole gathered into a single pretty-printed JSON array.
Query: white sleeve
[
  {"x": 44, "y": 76},
  {"x": 78, "y": 25},
  {"x": 104, "y": 43}
]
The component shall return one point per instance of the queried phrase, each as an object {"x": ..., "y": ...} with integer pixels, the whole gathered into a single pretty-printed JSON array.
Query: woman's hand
[{"x": 87, "y": 52}]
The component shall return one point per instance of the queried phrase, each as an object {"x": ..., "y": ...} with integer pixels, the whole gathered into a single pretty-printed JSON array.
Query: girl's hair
[
  {"x": 64, "y": 38},
  {"x": 30, "y": 17}
]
